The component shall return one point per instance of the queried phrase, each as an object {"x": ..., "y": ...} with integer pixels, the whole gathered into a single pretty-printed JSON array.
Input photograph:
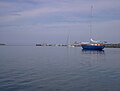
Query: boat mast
[
  {"x": 91, "y": 35},
  {"x": 68, "y": 37}
]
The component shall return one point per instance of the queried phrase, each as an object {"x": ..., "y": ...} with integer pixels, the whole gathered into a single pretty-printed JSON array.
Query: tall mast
[
  {"x": 68, "y": 37},
  {"x": 91, "y": 16}
]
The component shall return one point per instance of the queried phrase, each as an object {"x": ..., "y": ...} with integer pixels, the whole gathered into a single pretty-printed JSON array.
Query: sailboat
[{"x": 93, "y": 44}]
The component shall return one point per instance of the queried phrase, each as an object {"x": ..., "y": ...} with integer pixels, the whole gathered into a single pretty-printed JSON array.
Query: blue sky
[{"x": 41, "y": 21}]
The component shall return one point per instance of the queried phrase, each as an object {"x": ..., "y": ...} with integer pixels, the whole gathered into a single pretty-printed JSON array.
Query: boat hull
[{"x": 92, "y": 47}]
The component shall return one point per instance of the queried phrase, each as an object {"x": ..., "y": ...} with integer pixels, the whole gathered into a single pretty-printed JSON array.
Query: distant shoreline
[
  {"x": 72, "y": 45},
  {"x": 112, "y": 45},
  {"x": 63, "y": 45}
]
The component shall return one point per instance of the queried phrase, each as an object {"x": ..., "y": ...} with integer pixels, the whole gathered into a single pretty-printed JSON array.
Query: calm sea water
[{"x": 31, "y": 68}]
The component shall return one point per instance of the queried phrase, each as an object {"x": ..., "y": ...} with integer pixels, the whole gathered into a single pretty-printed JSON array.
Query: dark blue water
[{"x": 31, "y": 68}]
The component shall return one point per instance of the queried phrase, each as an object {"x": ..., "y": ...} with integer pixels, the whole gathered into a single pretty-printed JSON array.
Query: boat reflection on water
[{"x": 93, "y": 52}]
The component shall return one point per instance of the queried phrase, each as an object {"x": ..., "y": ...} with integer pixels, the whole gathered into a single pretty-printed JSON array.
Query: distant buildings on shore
[
  {"x": 112, "y": 45},
  {"x": 75, "y": 44}
]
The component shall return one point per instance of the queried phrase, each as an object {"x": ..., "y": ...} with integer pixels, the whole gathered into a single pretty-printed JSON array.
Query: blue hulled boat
[{"x": 93, "y": 45}]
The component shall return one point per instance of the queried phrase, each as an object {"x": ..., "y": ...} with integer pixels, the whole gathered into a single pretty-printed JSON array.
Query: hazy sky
[{"x": 41, "y": 21}]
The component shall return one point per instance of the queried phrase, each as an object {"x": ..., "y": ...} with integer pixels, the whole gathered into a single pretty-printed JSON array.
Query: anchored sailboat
[{"x": 92, "y": 45}]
